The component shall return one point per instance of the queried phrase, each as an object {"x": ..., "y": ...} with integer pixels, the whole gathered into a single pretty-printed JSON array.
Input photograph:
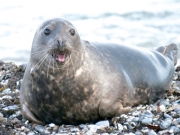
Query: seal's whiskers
[
  {"x": 41, "y": 60},
  {"x": 48, "y": 64},
  {"x": 38, "y": 53}
]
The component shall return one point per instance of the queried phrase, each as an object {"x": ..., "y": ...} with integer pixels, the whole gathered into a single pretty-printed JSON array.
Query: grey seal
[{"x": 71, "y": 81}]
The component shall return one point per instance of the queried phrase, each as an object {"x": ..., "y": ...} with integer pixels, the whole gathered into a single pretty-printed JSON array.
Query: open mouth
[{"x": 60, "y": 56}]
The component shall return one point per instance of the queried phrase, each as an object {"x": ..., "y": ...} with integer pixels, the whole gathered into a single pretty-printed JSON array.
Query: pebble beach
[{"x": 160, "y": 118}]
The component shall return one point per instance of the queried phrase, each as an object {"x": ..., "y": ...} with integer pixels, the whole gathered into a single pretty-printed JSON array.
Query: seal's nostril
[{"x": 60, "y": 45}]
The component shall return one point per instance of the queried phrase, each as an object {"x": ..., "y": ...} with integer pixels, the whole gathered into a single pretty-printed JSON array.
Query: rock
[
  {"x": 41, "y": 129},
  {"x": 12, "y": 123},
  {"x": 132, "y": 125},
  {"x": 120, "y": 127},
  {"x": 93, "y": 128},
  {"x": 31, "y": 133},
  {"x": 138, "y": 133},
  {"x": 165, "y": 123},
  {"x": 167, "y": 116},
  {"x": 174, "y": 129},
  {"x": 136, "y": 113},
  {"x": 102, "y": 124},
  {"x": 6, "y": 91},
  {"x": 2, "y": 119},
  {"x": 145, "y": 130},
  {"x": 51, "y": 125},
  {"x": 147, "y": 121},
  {"x": 151, "y": 132}
]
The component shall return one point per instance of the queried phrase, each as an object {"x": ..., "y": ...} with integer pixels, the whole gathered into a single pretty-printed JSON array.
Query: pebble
[
  {"x": 174, "y": 129},
  {"x": 10, "y": 108},
  {"x": 138, "y": 133},
  {"x": 93, "y": 128},
  {"x": 162, "y": 108},
  {"x": 74, "y": 129},
  {"x": 177, "y": 110},
  {"x": 102, "y": 124},
  {"x": 104, "y": 134},
  {"x": 41, "y": 129},
  {"x": 6, "y": 97},
  {"x": 132, "y": 125},
  {"x": 51, "y": 125},
  {"x": 2, "y": 119},
  {"x": 145, "y": 130},
  {"x": 147, "y": 121},
  {"x": 165, "y": 123},
  {"x": 178, "y": 120},
  {"x": 151, "y": 132},
  {"x": 120, "y": 127},
  {"x": 31, "y": 133},
  {"x": 136, "y": 113},
  {"x": 6, "y": 91},
  {"x": 167, "y": 116},
  {"x": 22, "y": 133}
]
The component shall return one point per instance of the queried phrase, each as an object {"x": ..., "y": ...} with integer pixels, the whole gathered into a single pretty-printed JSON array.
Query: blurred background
[{"x": 146, "y": 23}]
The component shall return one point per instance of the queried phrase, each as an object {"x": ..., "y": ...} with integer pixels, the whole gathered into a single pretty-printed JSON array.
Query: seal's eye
[
  {"x": 72, "y": 32},
  {"x": 47, "y": 32}
]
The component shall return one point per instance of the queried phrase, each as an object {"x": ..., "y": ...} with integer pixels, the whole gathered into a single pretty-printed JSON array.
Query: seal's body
[{"x": 72, "y": 81}]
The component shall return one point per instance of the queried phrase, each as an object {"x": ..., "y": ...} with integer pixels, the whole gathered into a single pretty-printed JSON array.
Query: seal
[{"x": 71, "y": 81}]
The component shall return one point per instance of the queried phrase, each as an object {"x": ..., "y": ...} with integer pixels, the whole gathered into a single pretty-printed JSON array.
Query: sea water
[{"x": 146, "y": 23}]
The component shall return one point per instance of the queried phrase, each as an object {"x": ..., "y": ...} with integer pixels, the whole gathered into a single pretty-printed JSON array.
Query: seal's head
[{"x": 54, "y": 41}]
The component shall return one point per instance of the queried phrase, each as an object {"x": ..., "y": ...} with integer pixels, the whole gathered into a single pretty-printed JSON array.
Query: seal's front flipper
[
  {"x": 29, "y": 115},
  {"x": 109, "y": 109}
]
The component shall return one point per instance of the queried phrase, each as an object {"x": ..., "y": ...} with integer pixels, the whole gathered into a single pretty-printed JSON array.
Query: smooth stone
[
  {"x": 22, "y": 133},
  {"x": 84, "y": 127},
  {"x": 104, "y": 123},
  {"x": 167, "y": 116},
  {"x": 145, "y": 129},
  {"x": 41, "y": 129},
  {"x": 136, "y": 113},
  {"x": 130, "y": 119},
  {"x": 31, "y": 133},
  {"x": 104, "y": 134},
  {"x": 165, "y": 123},
  {"x": 177, "y": 102},
  {"x": 132, "y": 125},
  {"x": 174, "y": 129},
  {"x": 51, "y": 125},
  {"x": 147, "y": 121},
  {"x": 146, "y": 114},
  {"x": 93, "y": 128},
  {"x": 138, "y": 133},
  {"x": 120, "y": 127},
  {"x": 177, "y": 110},
  {"x": 74, "y": 130},
  {"x": 136, "y": 119},
  {"x": 163, "y": 132},
  {"x": 130, "y": 134},
  {"x": 6, "y": 97},
  {"x": 178, "y": 120},
  {"x": 6, "y": 91},
  {"x": 151, "y": 132},
  {"x": 11, "y": 108}
]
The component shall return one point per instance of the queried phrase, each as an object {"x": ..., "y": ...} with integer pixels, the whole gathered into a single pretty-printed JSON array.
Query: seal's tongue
[{"x": 60, "y": 57}]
